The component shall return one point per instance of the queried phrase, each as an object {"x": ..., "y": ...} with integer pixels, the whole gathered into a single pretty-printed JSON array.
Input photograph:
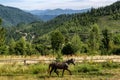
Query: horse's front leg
[
  {"x": 69, "y": 71},
  {"x": 63, "y": 72}
]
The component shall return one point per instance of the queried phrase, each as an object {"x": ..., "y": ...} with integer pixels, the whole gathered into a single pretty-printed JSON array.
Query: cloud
[{"x": 52, "y": 4}]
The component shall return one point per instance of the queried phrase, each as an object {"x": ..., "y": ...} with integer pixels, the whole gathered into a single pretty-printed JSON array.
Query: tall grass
[
  {"x": 87, "y": 69},
  {"x": 16, "y": 69}
]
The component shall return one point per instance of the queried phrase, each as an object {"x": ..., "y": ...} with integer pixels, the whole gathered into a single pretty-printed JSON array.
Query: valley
[{"x": 31, "y": 40}]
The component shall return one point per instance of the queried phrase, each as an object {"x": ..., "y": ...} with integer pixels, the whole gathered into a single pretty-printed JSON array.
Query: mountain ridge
[
  {"x": 11, "y": 16},
  {"x": 57, "y": 11},
  {"x": 49, "y": 14}
]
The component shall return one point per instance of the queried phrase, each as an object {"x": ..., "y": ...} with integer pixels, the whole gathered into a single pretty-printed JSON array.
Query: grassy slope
[{"x": 105, "y": 21}]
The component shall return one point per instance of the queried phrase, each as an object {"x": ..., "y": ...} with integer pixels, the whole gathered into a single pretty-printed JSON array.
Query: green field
[{"x": 81, "y": 71}]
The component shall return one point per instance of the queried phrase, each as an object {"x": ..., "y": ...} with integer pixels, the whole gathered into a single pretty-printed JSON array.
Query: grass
[
  {"x": 81, "y": 71},
  {"x": 105, "y": 21}
]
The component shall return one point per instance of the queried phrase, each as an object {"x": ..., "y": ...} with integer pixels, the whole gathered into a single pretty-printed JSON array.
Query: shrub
[
  {"x": 110, "y": 64},
  {"x": 87, "y": 68},
  {"x": 40, "y": 48},
  {"x": 68, "y": 49},
  {"x": 116, "y": 51},
  {"x": 37, "y": 68}
]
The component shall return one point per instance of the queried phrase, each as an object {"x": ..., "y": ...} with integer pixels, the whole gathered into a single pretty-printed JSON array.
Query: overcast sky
[{"x": 53, "y": 4}]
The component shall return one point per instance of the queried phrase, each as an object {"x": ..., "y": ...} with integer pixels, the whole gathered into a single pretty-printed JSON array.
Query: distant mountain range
[
  {"x": 12, "y": 16},
  {"x": 57, "y": 11},
  {"x": 50, "y": 14}
]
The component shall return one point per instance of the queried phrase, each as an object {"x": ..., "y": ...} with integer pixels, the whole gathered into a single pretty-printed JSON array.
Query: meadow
[{"x": 86, "y": 70}]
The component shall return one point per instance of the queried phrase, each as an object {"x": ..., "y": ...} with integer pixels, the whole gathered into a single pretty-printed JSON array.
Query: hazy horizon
[{"x": 47, "y": 4}]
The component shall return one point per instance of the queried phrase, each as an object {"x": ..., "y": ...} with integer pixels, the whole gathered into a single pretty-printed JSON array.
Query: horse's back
[{"x": 61, "y": 65}]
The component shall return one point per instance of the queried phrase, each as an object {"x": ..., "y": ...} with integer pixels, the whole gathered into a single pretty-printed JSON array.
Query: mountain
[
  {"x": 50, "y": 14},
  {"x": 12, "y": 16},
  {"x": 57, "y": 11}
]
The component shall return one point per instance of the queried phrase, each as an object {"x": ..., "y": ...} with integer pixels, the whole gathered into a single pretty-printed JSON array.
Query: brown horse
[{"x": 60, "y": 65}]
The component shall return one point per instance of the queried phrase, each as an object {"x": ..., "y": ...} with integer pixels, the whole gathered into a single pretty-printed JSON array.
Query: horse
[{"x": 60, "y": 65}]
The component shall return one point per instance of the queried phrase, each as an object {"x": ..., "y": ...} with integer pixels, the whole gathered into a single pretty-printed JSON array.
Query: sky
[{"x": 53, "y": 4}]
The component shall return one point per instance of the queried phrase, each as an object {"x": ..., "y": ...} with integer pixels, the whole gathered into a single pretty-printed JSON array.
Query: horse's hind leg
[
  {"x": 51, "y": 70},
  {"x": 69, "y": 71},
  {"x": 56, "y": 71},
  {"x": 63, "y": 72}
]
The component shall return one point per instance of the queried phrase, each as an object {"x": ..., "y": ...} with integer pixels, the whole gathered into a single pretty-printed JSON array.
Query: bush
[
  {"x": 87, "y": 68},
  {"x": 38, "y": 68},
  {"x": 40, "y": 48},
  {"x": 3, "y": 49},
  {"x": 84, "y": 48},
  {"x": 68, "y": 49},
  {"x": 116, "y": 51},
  {"x": 110, "y": 64}
]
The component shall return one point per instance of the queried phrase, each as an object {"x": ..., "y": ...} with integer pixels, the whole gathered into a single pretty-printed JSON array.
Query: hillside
[
  {"x": 108, "y": 16},
  {"x": 12, "y": 16}
]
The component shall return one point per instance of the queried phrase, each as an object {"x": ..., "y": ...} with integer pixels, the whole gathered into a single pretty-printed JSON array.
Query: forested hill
[
  {"x": 12, "y": 16},
  {"x": 108, "y": 13},
  {"x": 108, "y": 16}
]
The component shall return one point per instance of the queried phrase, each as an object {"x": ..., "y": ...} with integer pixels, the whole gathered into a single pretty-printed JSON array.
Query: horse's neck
[{"x": 67, "y": 62}]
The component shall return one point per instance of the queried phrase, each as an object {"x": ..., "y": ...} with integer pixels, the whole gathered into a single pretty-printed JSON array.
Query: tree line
[{"x": 98, "y": 42}]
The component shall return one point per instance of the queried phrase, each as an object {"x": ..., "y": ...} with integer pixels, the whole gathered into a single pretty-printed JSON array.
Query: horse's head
[{"x": 72, "y": 61}]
